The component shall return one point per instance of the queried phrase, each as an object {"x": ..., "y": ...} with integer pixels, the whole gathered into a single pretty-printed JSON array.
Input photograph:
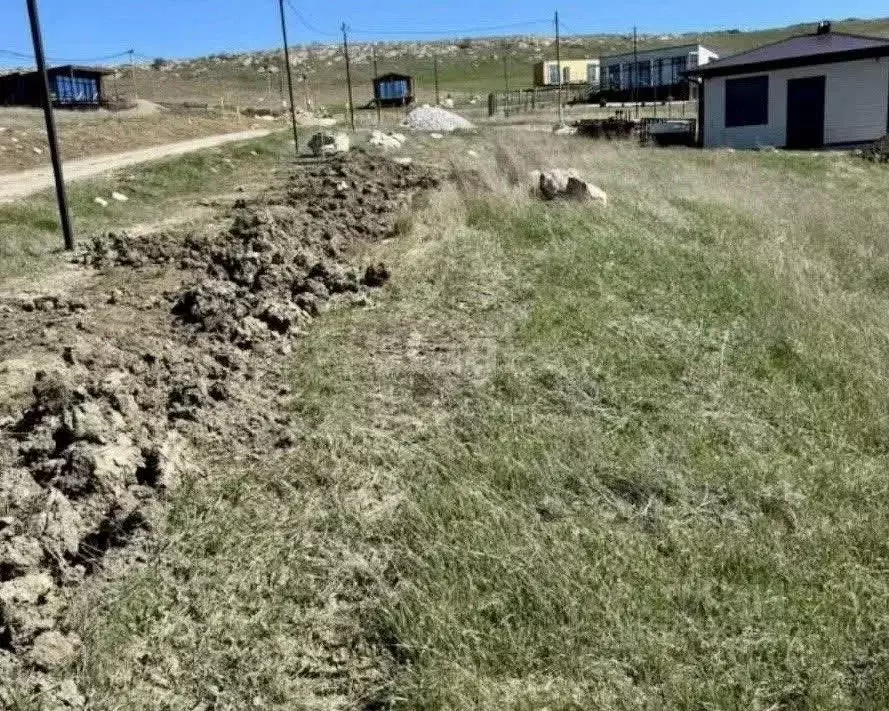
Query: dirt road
[{"x": 18, "y": 185}]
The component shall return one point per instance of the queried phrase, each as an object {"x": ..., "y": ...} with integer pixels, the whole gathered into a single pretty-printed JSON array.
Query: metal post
[
  {"x": 506, "y": 81},
  {"x": 289, "y": 79},
  {"x": 634, "y": 75},
  {"x": 376, "y": 93},
  {"x": 435, "y": 70},
  {"x": 559, "y": 64},
  {"x": 65, "y": 218},
  {"x": 348, "y": 75}
]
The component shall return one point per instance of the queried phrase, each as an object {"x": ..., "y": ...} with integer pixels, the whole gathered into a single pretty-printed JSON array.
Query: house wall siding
[
  {"x": 856, "y": 105},
  {"x": 577, "y": 67}
]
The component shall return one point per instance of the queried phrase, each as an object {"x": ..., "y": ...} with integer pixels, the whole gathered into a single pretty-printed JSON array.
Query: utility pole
[
  {"x": 348, "y": 75},
  {"x": 634, "y": 75},
  {"x": 435, "y": 70},
  {"x": 64, "y": 217},
  {"x": 559, "y": 64},
  {"x": 289, "y": 79},
  {"x": 133, "y": 72},
  {"x": 506, "y": 80},
  {"x": 376, "y": 76}
]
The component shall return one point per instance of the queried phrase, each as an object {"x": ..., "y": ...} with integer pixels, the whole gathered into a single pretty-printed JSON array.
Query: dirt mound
[
  {"x": 280, "y": 260},
  {"x": 83, "y": 466}
]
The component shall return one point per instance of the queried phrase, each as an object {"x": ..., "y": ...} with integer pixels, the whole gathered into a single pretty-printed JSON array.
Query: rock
[
  {"x": 67, "y": 696},
  {"x": 87, "y": 422},
  {"x": 448, "y": 103},
  {"x": 436, "y": 136},
  {"x": 53, "y": 650},
  {"x": 565, "y": 130},
  {"x": 115, "y": 465},
  {"x": 472, "y": 154},
  {"x": 120, "y": 197},
  {"x": 567, "y": 184},
  {"x": 101, "y": 202},
  {"x": 24, "y": 590},
  {"x": 386, "y": 140},
  {"x": 403, "y": 160},
  {"x": 57, "y": 525},
  {"x": 327, "y": 144},
  {"x": 38, "y": 151},
  {"x": 20, "y": 555}
]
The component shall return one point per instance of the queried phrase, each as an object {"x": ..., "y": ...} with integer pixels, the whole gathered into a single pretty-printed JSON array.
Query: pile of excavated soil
[{"x": 85, "y": 463}]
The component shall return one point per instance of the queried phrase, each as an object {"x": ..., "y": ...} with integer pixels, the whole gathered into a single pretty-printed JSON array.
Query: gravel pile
[{"x": 437, "y": 119}]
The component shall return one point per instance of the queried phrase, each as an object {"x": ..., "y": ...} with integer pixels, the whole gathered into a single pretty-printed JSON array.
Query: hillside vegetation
[{"x": 467, "y": 67}]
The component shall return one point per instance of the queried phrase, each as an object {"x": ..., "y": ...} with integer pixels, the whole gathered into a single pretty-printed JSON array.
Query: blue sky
[{"x": 87, "y": 29}]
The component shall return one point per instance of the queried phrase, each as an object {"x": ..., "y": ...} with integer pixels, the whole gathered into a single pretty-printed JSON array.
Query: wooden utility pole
[
  {"x": 64, "y": 217},
  {"x": 289, "y": 79},
  {"x": 559, "y": 65},
  {"x": 435, "y": 71},
  {"x": 506, "y": 81},
  {"x": 376, "y": 76},
  {"x": 348, "y": 75},
  {"x": 133, "y": 72}
]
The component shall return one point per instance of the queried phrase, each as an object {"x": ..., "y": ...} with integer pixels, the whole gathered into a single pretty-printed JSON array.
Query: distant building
[
  {"x": 821, "y": 89},
  {"x": 574, "y": 71},
  {"x": 394, "y": 89},
  {"x": 654, "y": 74},
  {"x": 69, "y": 86}
]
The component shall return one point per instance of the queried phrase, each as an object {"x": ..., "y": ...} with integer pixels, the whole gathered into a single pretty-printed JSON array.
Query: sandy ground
[{"x": 18, "y": 185}]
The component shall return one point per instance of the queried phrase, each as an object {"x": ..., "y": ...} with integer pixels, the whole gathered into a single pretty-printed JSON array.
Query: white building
[
  {"x": 654, "y": 74},
  {"x": 809, "y": 91}
]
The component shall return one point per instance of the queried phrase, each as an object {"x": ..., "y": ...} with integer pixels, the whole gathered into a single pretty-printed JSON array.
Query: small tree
[{"x": 158, "y": 64}]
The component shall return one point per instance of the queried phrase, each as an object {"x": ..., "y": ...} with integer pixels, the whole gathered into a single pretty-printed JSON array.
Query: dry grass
[
  {"x": 82, "y": 134},
  {"x": 571, "y": 459}
]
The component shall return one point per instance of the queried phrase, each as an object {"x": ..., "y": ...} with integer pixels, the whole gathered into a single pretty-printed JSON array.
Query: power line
[
  {"x": 305, "y": 22},
  {"x": 308, "y": 25},
  {"x": 24, "y": 55}
]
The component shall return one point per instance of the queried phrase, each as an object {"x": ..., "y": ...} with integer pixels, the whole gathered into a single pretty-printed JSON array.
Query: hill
[{"x": 467, "y": 67}]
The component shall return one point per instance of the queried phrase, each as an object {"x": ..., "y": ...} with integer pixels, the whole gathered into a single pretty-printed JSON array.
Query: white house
[
  {"x": 808, "y": 91},
  {"x": 652, "y": 75}
]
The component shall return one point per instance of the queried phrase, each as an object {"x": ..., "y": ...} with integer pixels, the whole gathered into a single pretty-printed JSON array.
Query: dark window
[
  {"x": 642, "y": 74},
  {"x": 679, "y": 65},
  {"x": 554, "y": 74},
  {"x": 747, "y": 101},
  {"x": 614, "y": 76}
]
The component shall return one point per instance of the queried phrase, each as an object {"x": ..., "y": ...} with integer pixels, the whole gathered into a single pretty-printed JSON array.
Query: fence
[{"x": 520, "y": 101}]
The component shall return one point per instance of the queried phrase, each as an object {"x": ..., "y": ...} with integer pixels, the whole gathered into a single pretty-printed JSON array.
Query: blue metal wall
[
  {"x": 75, "y": 90},
  {"x": 393, "y": 89}
]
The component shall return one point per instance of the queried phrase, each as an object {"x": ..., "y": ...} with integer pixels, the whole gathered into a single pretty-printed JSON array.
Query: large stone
[
  {"x": 569, "y": 185},
  {"x": 53, "y": 650},
  {"x": 386, "y": 140}
]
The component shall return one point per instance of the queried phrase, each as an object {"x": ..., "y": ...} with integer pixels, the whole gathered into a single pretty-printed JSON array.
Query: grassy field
[
  {"x": 84, "y": 134},
  {"x": 572, "y": 458},
  {"x": 30, "y": 240}
]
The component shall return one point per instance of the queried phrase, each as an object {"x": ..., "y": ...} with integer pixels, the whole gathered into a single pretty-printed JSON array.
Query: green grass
[
  {"x": 30, "y": 236},
  {"x": 574, "y": 458}
]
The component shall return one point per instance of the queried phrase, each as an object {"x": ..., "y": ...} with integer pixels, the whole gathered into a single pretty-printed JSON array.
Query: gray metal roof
[{"x": 798, "y": 51}]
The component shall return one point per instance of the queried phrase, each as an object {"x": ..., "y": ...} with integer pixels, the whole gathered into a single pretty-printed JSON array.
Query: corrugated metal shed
[{"x": 394, "y": 89}]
